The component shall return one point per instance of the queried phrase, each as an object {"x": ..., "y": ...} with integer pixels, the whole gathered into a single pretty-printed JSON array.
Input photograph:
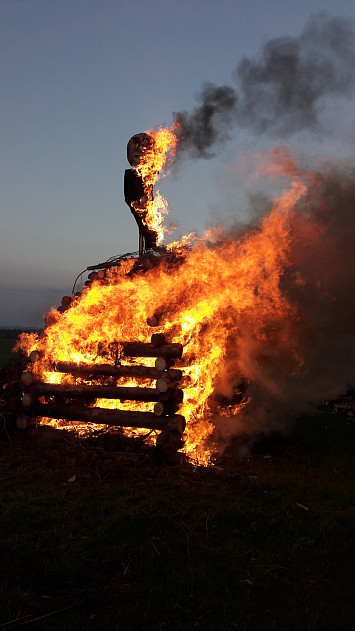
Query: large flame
[
  {"x": 220, "y": 297},
  {"x": 152, "y": 166}
]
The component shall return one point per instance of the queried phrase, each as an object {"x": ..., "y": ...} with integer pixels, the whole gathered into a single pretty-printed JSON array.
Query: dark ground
[{"x": 96, "y": 535}]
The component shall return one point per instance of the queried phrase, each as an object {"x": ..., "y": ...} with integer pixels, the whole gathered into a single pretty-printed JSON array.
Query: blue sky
[{"x": 78, "y": 78}]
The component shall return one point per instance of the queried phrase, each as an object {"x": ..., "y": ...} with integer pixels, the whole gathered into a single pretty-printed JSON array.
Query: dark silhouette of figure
[{"x": 136, "y": 193}]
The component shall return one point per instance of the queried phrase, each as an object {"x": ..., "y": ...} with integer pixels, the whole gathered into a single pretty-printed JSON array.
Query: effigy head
[{"x": 136, "y": 146}]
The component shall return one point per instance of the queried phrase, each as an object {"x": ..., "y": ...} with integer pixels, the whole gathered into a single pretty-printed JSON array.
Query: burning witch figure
[{"x": 138, "y": 192}]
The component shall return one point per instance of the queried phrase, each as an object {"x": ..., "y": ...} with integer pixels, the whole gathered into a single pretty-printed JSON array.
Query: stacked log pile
[{"x": 74, "y": 402}]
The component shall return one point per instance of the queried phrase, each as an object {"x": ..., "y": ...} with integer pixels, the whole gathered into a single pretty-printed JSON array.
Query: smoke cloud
[{"x": 280, "y": 92}]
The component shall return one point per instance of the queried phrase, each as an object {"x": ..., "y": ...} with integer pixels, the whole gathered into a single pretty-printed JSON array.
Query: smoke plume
[{"x": 280, "y": 92}]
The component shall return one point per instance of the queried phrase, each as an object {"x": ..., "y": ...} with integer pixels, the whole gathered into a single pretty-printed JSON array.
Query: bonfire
[{"x": 222, "y": 313}]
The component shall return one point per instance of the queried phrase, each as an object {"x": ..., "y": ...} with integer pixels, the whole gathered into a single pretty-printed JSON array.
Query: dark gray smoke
[
  {"x": 280, "y": 92},
  {"x": 209, "y": 123}
]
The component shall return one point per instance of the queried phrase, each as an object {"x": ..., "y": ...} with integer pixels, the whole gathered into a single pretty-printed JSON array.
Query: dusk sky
[{"x": 78, "y": 79}]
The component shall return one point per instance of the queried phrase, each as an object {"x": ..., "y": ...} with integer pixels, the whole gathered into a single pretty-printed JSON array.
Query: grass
[{"x": 96, "y": 536}]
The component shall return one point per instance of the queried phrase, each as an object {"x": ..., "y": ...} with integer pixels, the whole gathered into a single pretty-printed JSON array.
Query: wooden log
[
  {"x": 142, "y": 349},
  {"x": 23, "y": 421},
  {"x": 169, "y": 442},
  {"x": 159, "y": 408},
  {"x": 153, "y": 321},
  {"x": 26, "y": 378},
  {"x": 168, "y": 408},
  {"x": 162, "y": 364},
  {"x": 158, "y": 339},
  {"x": 66, "y": 300},
  {"x": 172, "y": 394},
  {"x": 107, "y": 370},
  {"x": 163, "y": 384},
  {"x": 27, "y": 399},
  {"x": 167, "y": 446},
  {"x": 34, "y": 356},
  {"x": 69, "y": 391},
  {"x": 119, "y": 418},
  {"x": 8, "y": 385}
]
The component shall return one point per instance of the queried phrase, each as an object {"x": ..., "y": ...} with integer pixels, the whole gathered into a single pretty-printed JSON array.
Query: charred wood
[{"x": 107, "y": 370}]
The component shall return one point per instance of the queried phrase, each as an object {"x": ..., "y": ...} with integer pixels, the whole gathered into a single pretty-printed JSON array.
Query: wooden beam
[
  {"x": 119, "y": 418},
  {"x": 142, "y": 349},
  {"x": 107, "y": 370},
  {"x": 69, "y": 391}
]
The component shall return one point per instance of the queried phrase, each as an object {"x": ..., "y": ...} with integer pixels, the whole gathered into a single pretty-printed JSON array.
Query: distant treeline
[{"x": 12, "y": 334}]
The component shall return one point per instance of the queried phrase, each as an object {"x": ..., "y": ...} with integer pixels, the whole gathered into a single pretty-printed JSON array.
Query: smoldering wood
[
  {"x": 119, "y": 418},
  {"x": 107, "y": 370},
  {"x": 142, "y": 349},
  {"x": 69, "y": 391}
]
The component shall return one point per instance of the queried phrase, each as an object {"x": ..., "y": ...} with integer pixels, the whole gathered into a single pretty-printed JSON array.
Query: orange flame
[
  {"x": 221, "y": 298},
  {"x": 151, "y": 168}
]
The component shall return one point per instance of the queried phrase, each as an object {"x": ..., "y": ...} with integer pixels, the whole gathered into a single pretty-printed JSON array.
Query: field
[{"x": 95, "y": 534}]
